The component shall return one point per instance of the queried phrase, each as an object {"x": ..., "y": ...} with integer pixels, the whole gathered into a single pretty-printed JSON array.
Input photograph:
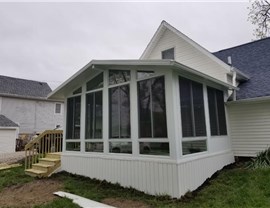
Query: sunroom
[{"x": 155, "y": 125}]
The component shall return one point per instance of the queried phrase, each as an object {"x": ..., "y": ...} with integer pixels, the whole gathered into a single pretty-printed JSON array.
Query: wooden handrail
[{"x": 47, "y": 142}]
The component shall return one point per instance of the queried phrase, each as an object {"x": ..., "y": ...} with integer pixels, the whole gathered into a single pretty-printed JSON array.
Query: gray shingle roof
[
  {"x": 5, "y": 122},
  {"x": 254, "y": 60},
  {"x": 23, "y": 87}
]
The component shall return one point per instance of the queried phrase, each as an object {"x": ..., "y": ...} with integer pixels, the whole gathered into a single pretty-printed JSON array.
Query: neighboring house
[
  {"x": 157, "y": 124},
  {"x": 8, "y": 135},
  {"x": 249, "y": 114},
  {"x": 25, "y": 103}
]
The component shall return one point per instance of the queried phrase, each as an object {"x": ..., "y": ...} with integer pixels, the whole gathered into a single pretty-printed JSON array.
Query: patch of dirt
[
  {"x": 124, "y": 203},
  {"x": 30, "y": 194}
]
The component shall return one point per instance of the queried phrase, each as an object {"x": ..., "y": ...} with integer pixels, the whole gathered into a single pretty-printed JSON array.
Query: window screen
[{"x": 168, "y": 54}]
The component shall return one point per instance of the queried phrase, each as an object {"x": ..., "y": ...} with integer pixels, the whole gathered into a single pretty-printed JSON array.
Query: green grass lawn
[{"x": 236, "y": 187}]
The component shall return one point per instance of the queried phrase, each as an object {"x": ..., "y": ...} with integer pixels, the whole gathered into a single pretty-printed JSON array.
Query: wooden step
[
  {"x": 49, "y": 161},
  {"x": 55, "y": 155},
  {"x": 35, "y": 173},
  {"x": 42, "y": 167}
]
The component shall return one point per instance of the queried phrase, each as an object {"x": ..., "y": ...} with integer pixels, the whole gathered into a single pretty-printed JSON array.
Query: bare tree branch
[{"x": 259, "y": 15}]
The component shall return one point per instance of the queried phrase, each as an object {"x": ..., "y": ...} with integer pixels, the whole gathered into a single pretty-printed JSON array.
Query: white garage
[{"x": 8, "y": 135}]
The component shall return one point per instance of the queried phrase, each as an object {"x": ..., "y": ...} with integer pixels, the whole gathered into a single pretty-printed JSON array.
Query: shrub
[{"x": 262, "y": 160}]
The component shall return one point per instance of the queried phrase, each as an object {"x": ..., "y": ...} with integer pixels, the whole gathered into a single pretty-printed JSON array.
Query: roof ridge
[
  {"x": 241, "y": 45},
  {"x": 23, "y": 79}
]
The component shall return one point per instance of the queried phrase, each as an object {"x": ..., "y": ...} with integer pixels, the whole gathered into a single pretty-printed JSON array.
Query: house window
[
  {"x": 152, "y": 108},
  {"x": 168, "y": 54},
  {"x": 192, "y": 108},
  {"x": 73, "y": 117},
  {"x": 216, "y": 112},
  {"x": 93, "y": 128},
  {"x": 57, "y": 108},
  {"x": 119, "y": 103}
]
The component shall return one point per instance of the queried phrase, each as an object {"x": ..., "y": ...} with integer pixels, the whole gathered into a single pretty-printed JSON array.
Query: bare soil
[
  {"x": 124, "y": 203},
  {"x": 30, "y": 194}
]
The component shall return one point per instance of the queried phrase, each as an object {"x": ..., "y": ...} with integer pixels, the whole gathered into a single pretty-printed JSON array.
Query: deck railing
[{"x": 48, "y": 142}]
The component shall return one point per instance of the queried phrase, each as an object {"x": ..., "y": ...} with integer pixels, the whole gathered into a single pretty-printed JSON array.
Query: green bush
[{"x": 262, "y": 160}]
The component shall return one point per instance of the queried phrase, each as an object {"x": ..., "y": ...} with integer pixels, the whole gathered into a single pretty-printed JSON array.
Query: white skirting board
[{"x": 155, "y": 177}]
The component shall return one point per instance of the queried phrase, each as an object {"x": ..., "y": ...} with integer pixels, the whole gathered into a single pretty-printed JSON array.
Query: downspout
[{"x": 229, "y": 59}]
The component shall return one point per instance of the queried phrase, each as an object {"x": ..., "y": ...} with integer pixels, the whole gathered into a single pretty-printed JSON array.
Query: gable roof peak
[{"x": 160, "y": 31}]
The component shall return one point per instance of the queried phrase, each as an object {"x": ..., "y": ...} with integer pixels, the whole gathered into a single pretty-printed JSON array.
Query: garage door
[{"x": 7, "y": 140}]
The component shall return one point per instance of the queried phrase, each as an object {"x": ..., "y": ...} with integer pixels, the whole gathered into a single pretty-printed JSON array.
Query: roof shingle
[
  {"x": 254, "y": 60},
  {"x": 5, "y": 122},
  {"x": 22, "y": 87}
]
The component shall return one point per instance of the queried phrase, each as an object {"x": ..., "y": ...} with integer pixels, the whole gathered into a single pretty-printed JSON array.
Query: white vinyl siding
[
  {"x": 250, "y": 127},
  {"x": 31, "y": 115},
  {"x": 188, "y": 55},
  {"x": 7, "y": 140}
]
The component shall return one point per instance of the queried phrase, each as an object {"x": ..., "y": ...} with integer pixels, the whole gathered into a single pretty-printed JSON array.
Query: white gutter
[{"x": 257, "y": 99}]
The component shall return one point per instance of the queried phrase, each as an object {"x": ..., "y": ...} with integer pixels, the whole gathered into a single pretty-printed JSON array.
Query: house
[
  {"x": 249, "y": 114},
  {"x": 25, "y": 103},
  {"x": 157, "y": 124},
  {"x": 8, "y": 135}
]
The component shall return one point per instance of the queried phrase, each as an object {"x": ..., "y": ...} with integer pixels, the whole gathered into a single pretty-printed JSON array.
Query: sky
[{"x": 51, "y": 41}]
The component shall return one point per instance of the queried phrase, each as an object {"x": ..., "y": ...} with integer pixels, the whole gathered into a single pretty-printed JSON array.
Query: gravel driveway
[{"x": 10, "y": 158}]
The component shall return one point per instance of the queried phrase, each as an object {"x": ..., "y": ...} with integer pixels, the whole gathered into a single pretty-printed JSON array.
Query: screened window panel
[
  {"x": 94, "y": 115},
  {"x": 119, "y": 112},
  {"x": 186, "y": 107},
  {"x": 152, "y": 108},
  {"x": 159, "y": 108},
  {"x": 114, "y": 112},
  {"x": 198, "y": 105},
  {"x": 78, "y": 91},
  {"x": 144, "y": 74},
  {"x": 73, "y": 117},
  {"x": 221, "y": 113},
  {"x": 95, "y": 83},
  {"x": 216, "y": 112},
  {"x": 118, "y": 76},
  {"x": 93, "y": 146},
  {"x": 154, "y": 148},
  {"x": 212, "y": 110},
  {"x": 144, "y": 99},
  {"x": 191, "y": 147},
  {"x": 168, "y": 54},
  {"x": 124, "y": 112}
]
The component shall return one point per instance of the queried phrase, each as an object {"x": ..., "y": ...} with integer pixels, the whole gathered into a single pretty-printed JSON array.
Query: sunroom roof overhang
[{"x": 99, "y": 65}]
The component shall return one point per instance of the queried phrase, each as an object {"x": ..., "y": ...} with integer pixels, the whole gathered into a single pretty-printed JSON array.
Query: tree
[{"x": 259, "y": 15}]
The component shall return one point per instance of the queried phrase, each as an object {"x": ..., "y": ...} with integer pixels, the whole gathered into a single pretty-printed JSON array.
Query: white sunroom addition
[{"x": 155, "y": 125}]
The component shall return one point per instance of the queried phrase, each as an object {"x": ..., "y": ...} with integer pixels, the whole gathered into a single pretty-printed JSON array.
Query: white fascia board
[
  {"x": 104, "y": 64},
  {"x": 250, "y": 100},
  {"x": 202, "y": 75},
  {"x": 166, "y": 25},
  {"x": 9, "y": 127}
]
